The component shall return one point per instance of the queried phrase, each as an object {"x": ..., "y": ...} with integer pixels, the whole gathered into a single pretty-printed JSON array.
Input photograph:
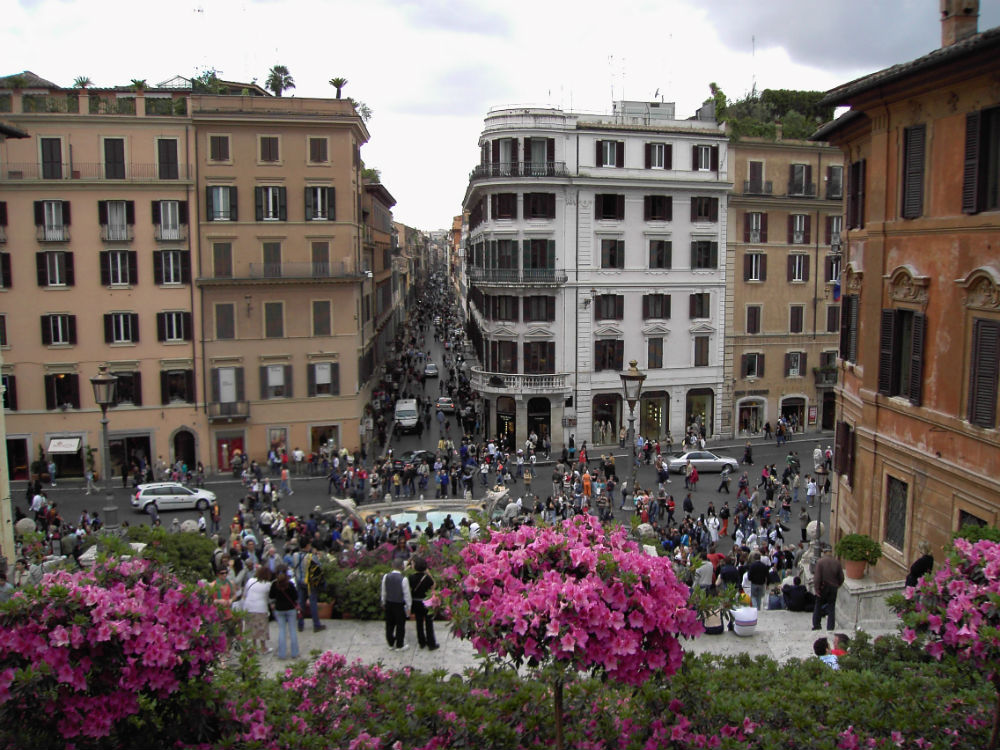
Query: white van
[{"x": 407, "y": 415}]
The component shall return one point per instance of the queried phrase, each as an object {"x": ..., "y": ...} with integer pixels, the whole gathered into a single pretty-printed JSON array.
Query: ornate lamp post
[
  {"x": 632, "y": 381},
  {"x": 105, "y": 385}
]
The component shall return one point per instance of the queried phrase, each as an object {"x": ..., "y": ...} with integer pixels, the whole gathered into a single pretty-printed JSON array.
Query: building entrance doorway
[
  {"x": 506, "y": 421},
  {"x": 539, "y": 418}
]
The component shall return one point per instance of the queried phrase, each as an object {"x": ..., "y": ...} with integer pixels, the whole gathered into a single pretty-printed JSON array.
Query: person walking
[
  {"x": 286, "y": 482},
  {"x": 421, "y": 585},
  {"x": 397, "y": 601},
  {"x": 285, "y": 601},
  {"x": 828, "y": 579}
]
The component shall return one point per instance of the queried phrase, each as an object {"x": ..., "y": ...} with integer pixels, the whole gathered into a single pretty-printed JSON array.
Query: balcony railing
[
  {"x": 520, "y": 169},
  {"x": 825, "y": 376},
  {"x": 228, "y": 410},
  {"x": 757, "y": 188},
  {"x": 802, "y": 190},
  {"x": 170, "y": 234},
  {"x": 116, "y": 233},
  {"x": 52, "y": 234},
  {"x": 131, "y": 172},
  {"x": 502, "y": 382},
  {"x": 517, "y": 275},
  {"x": 302, "y": 270},
  {"x": 3, "y": 234}
]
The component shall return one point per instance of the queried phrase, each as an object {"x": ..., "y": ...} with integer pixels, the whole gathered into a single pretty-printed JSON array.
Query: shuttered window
[
  {"x": 856, "y": 196},
  {"x": 984, "y": 373},
  {"x": 981, "y": 176},
  {"x": 753, "y": 319},
  {"x": 913, "y": 171},
  {"x": 849, "y": 328},
  {"x": 901, "y": 354}
]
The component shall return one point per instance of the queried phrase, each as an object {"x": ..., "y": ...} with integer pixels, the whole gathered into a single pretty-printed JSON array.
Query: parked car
[
  {"x": 445, "y": 404},
  {"x": 704, "y": 461},
  {"x": 170, "y": 496},
  {"x": 412, "y": 457},
  {"x": 430, "y": 370}
]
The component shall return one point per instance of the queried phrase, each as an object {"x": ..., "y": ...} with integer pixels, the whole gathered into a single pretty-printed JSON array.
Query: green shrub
[{"x": 188, "y": 555}]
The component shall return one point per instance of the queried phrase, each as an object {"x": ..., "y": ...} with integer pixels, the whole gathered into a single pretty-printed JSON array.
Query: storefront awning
[{"x": 64, "y": 445}]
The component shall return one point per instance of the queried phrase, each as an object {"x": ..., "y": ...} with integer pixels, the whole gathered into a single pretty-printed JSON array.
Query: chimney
[{"x": 959, "y": 20}]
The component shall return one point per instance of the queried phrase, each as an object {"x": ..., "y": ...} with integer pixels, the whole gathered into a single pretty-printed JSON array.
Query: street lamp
[
  {"x": 105, "y": 385},
  {"x": 632, "y": 385}
]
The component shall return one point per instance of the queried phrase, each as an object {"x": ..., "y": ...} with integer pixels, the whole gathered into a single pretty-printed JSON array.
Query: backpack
[{"x": 314, "y": 573}]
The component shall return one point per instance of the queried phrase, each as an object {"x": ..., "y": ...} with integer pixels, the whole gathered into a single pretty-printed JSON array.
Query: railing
[
  {"x": 230, "y": 410},
  {"x": 132, "y": 172},
  {"x": 804, "y": 191},
  {"x": 758, "y": 188},
  {"x": 302, "y": 270},
  {"x": 517, "y": 275},
  {"x": 483, "y": 381},
  {"x": 170, "y": 234},
  {"x": 754, "y": 236},
  {"x": 115, "y": 233},
  {"x": 825, "y": 377},
  {"x": 3, "y": 234},
  {"x": 520, "y": 169},
  {"x": 835, "y": 193},
  {"x": 52, "y": 234}
]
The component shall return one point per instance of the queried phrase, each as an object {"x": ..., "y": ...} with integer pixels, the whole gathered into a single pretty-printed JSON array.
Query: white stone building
[{"x": 595, "y": 240}]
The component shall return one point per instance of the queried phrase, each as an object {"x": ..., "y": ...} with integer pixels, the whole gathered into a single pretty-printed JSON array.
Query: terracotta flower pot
[
  {"x": 855, "y": 568},
  {"x": 324, "y": 610}
]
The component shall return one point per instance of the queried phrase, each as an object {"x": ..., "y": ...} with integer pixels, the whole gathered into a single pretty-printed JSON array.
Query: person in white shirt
[
  {"x": 811, "y": 490},
  {"x": 257, "y": 603}
]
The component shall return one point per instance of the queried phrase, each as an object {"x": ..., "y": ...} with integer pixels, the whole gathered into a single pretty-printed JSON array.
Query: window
[
  {"x": 660, "y": 253},
  {"x": 322, "y": 317},
  {"x": 119, "y": 268},
  {"x": 269, "y": 148},
  {"x": 276, "y": 381},
  {"x": 896, "y": 491},
  {"x": 320, "y": 204},
  {"x": 274, "y": 320},
  {"x": 835, "y": 183},
  {"x": 799, "y": 229},
  {"x": 843, "y": 451},
  {"x": 128, "y": 389},
  {"x": 700, "y": 305},
  {"x": 659, "y": 156},
  {"x": 121, "y": 328},
  {"x": 981, "y": 175},
  {"x": 271, "y": 252},
  {"x": 168, "y": 217},
  {"x": 225, "y": 321},
  {"x": 504, "y": 157},
  {"x": 798, "y": 267},
  {"x": 55, "y": 268},
  {"x": 849, "y": 328},
  {"x": 704, "y": 254},
  {"x": 220, "y": 203},
  {"x": 6, "y": 280},
  {"x": 612, "y": 253},
  {"x": 610, "y": 154},
  {"x": 539, "y": 309},
  {"x": 608, "y": 354},
  {"x": 222, "y": 260},
  {"x": 320, "y": 258},
  {"x": 539, "y": 205},
  {"x": 539, "y": 357},
  {"x": 503, "y": 355},
  {"x": 856, "y": 192},
  {"x": 828, "y": 360},
  {"x": 318, "y": 150},
  {"x": 62, "y": 391},
  {"x": 609, "y": 206},
  {"x": 166, "y": 155},
  {"x": 114, "y": 158},
  {"x": 832, "y": 318},
  {"x": 800, "y": 180},
  {"x": 58, "y": 330},
  {"x": 3, "y": 330},
  {"x": 701, "y": 351},
  {"x": 9, "y": 392},
  {"x": 834, "y": 226},
  {"x": 755, "y": 267},
  {"x": 984, "y": 373},
  {"x": 539, "y": 258},
  {"x": 324, "y": 379},
  {"x": 655, "y": 306},
  {"x": 218, "y": 148},
  {"x": 172, "y": 266},
  {"x": 795, "y": 364},
  {"x": 796, "y": 313},
  {"x": 704, "y": 209},
  {"x": 754, "y": 227},
  {"x": 52, "y": 219},
  {"x": 609, "y": 307},
  {"x": 753, "y": 319},
  {"x": 52, "y": 159},
  {"x": 832, "y": 268},
  {"x": 270, "y": 204},
  {"x": 755, "y": 185},
  {"x": 913, "y": 171},
  {"x": 752, "y": 365},
  {"x": 227, "y": 387},
  {"x": 173, "y": 326},
  {"x": 705, "y": 158},
  {"x": 901, "y": 354},
  {"x": 654, "y": 352},
  {"x": 504, "y": 307},
  {"x": 503, "y": 206},
  {"x": 658, "y": 208},
  {"x": 116, "y": 219}
]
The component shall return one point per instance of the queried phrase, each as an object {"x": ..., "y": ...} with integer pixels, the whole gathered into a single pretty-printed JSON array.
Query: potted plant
[{"x": 857, "y": 551}]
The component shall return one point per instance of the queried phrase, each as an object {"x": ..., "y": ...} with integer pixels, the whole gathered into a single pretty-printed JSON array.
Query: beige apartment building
[
  {"x": 206, "y": 247},
  {"x": 783, "y": 259}
]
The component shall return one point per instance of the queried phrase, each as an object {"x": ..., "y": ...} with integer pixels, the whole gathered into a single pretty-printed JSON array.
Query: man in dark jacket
[
  {"x": 397, "y": 600},
  {"x": 797, "y": 596},
  {"x": 758, "y": 574},
  {"x": 829, "y": 578}
]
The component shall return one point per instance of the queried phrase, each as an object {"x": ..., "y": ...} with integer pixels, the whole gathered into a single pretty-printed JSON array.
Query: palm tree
[
  {"x": 138, "y": 84},
  {"x": 338, "y": 83},
  {"x": 279, "y": 79},
  {"x": 82, "y": 82}
]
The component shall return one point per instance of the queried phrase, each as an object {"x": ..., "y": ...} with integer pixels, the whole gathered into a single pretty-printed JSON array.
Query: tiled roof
[{"x": 31, "y": 81}]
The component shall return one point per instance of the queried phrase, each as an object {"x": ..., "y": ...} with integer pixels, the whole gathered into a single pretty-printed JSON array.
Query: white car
[
  {"x": 430, "y": 370},
  {"x": 170, "y": 496},
  {"x": 704, "y": 461}
]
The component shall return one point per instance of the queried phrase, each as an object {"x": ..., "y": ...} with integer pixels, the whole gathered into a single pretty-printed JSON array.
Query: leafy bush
[
  {"x": 187, "y": 554},
  {"x": 858, "y": 547},
  {"x": 974, "y": 533}
]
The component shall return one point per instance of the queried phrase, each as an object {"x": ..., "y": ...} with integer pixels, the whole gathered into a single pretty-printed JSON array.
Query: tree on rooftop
[
  {"x": 279, "y": 79},
  {"x": 338, "y": 83},
  {"x": 208, "y": 82},
  {"x": 363, "y": 110},
  {"x": 82, "y": 82}
]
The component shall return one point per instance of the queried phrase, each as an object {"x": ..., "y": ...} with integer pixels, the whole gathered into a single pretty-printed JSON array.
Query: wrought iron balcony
[
  {"x": 757, "y": 187},
  {"x": 52, "y": 234},
  {"x": 228, "y": 411},
  {"x": 517, "y": 276},
  {"x": 288, "y": 272},
  {"x": 825, "y": 376},
  {"x": 520, "y": 169},
  {"x": 502, "y": 382},
  {"x": 170, "y": 234},
  {"x": 798, "y": 189},
  {"x": 3, "y": 234},
  {"x": 93, "y": 171},
  {"x": 116, "y": 232}
]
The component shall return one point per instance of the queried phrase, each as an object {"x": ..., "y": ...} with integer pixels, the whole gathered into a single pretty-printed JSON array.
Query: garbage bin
[{"x": 745, "y": 621}]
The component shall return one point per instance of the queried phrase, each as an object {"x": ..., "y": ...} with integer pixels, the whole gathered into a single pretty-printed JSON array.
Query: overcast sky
[{"x": 431, "y": 69}]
